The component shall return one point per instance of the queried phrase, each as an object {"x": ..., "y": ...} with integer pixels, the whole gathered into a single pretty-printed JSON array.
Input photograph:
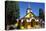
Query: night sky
[{"x": 34, "y": 6}]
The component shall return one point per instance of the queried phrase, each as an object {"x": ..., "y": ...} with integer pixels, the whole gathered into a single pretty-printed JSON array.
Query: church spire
[
  {"x": 29, "y": 5},
  {"x": 29, "y": 8}
]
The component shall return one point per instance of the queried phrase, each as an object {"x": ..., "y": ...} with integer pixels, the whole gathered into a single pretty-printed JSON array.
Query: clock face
[{"x": 28, "y": 11}]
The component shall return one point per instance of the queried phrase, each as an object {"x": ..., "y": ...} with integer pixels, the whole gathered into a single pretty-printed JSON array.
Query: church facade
[{"x": 29, "y": 20}]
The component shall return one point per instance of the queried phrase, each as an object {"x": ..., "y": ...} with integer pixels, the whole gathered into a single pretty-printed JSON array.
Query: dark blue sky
[{"x": 34, "y": 6}]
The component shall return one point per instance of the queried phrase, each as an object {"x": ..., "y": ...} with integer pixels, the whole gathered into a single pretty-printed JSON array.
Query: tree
[
  {"x": 41, "y": 13},
  {"x": 11, "y": 12}
]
